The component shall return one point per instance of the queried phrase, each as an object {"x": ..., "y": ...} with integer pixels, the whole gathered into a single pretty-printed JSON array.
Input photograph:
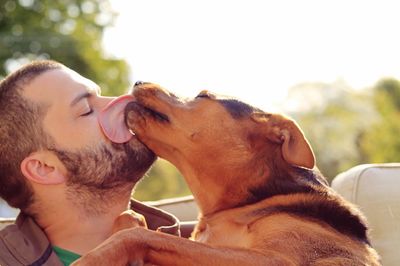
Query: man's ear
[
  {"x": 43, "y": 167},
  {"x": 295, "y": 148}
]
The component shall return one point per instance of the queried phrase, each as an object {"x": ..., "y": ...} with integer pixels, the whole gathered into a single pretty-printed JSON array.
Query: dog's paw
[{"x": 128, "y": 219}]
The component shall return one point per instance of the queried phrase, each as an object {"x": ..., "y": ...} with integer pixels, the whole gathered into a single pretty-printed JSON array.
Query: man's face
[
  {"x": 74, "y": 103},
  {"x": 73, "y": 106}
]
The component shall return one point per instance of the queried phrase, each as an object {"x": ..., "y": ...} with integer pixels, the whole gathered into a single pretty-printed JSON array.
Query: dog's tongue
[{"x": 112, "y": 120}]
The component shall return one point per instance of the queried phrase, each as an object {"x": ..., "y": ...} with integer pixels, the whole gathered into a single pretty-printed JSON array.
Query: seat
[{"x": 375, "y": 188}]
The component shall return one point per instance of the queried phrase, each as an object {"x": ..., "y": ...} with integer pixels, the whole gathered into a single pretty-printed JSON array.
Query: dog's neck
[
  {"x": 214, "y": 198},
  {"x": 294, "y": 180}
]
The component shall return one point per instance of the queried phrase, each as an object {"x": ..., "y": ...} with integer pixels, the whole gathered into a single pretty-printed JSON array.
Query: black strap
[{"x": 44, "y": 257}]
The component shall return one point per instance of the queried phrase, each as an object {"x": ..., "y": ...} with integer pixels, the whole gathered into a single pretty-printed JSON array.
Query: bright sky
[{"x": 256, "y": 49}]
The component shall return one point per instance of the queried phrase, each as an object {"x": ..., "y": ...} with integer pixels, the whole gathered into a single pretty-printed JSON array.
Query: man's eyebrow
[{"x": 80, "y": 97}]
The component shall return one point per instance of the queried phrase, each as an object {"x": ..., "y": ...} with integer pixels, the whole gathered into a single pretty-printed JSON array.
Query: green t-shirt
[{"x": 67, "y": 257}]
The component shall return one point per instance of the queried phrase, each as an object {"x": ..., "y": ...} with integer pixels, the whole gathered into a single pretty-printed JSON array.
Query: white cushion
[{"x": 375, "y": 188}]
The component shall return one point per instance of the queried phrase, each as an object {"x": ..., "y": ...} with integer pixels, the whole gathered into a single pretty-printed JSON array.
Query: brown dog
[{"x": 252, "y": 175}]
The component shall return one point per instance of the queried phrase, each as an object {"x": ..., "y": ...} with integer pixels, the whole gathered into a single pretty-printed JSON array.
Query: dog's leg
[{"x": 141, "y": 246}]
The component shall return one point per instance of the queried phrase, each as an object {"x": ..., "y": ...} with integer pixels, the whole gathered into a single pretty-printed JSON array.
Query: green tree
[
  {"x": 69, "y": 31},
  {"x": 381, "y": 143},
  {"x": 163, "y": 181}
]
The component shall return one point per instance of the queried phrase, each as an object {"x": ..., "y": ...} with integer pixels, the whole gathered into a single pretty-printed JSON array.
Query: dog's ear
[{"x": 295, "y": 148}]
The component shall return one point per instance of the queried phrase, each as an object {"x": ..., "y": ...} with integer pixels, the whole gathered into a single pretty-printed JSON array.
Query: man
[{"x": 69, "y": 181}]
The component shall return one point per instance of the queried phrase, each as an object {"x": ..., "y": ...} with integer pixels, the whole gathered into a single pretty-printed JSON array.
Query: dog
[{"x": 261, "y": 198}]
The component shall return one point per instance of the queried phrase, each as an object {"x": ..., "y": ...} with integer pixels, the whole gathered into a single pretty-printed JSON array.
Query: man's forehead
[
  {"x": 58, "y": 84},
  {"x": 76, "y": 77}
]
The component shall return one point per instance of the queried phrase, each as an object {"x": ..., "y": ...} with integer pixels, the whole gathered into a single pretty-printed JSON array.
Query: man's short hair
[{"x": 21, "y": 132}]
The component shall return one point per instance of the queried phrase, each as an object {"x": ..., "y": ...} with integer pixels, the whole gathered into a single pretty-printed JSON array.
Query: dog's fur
[{"x": 253, "y": 176}]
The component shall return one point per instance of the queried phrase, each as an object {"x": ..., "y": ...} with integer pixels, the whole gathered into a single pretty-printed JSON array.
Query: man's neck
[{"x": 74, "y": 230}]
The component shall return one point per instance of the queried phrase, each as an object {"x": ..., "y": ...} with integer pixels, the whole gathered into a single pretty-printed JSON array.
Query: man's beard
[{"x": 99, "y": 176}]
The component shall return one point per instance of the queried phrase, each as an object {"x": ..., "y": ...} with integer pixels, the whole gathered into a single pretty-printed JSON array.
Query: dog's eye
[{"x": 203, "y": 94}]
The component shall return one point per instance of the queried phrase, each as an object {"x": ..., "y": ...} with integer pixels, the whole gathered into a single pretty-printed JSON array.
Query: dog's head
[{"x": 222, "y": 146}]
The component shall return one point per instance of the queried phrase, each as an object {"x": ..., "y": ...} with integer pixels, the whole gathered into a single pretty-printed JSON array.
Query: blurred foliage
[
  {"x": 347, "y": 127},
  {"x": 381, "y": 143},
  {"x": 68, "y": 31},
  {"x": 163, "y": 181}
]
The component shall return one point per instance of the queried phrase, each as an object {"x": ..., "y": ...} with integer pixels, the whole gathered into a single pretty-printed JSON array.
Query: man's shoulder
[
  {"x": 8, "y": 232},
  {"x": 8, "y": 229},
  {"x": 23, "y": 242}
]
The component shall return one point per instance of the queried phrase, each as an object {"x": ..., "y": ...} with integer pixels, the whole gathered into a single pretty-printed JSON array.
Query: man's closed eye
[{"x": 88, "y": 113}]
